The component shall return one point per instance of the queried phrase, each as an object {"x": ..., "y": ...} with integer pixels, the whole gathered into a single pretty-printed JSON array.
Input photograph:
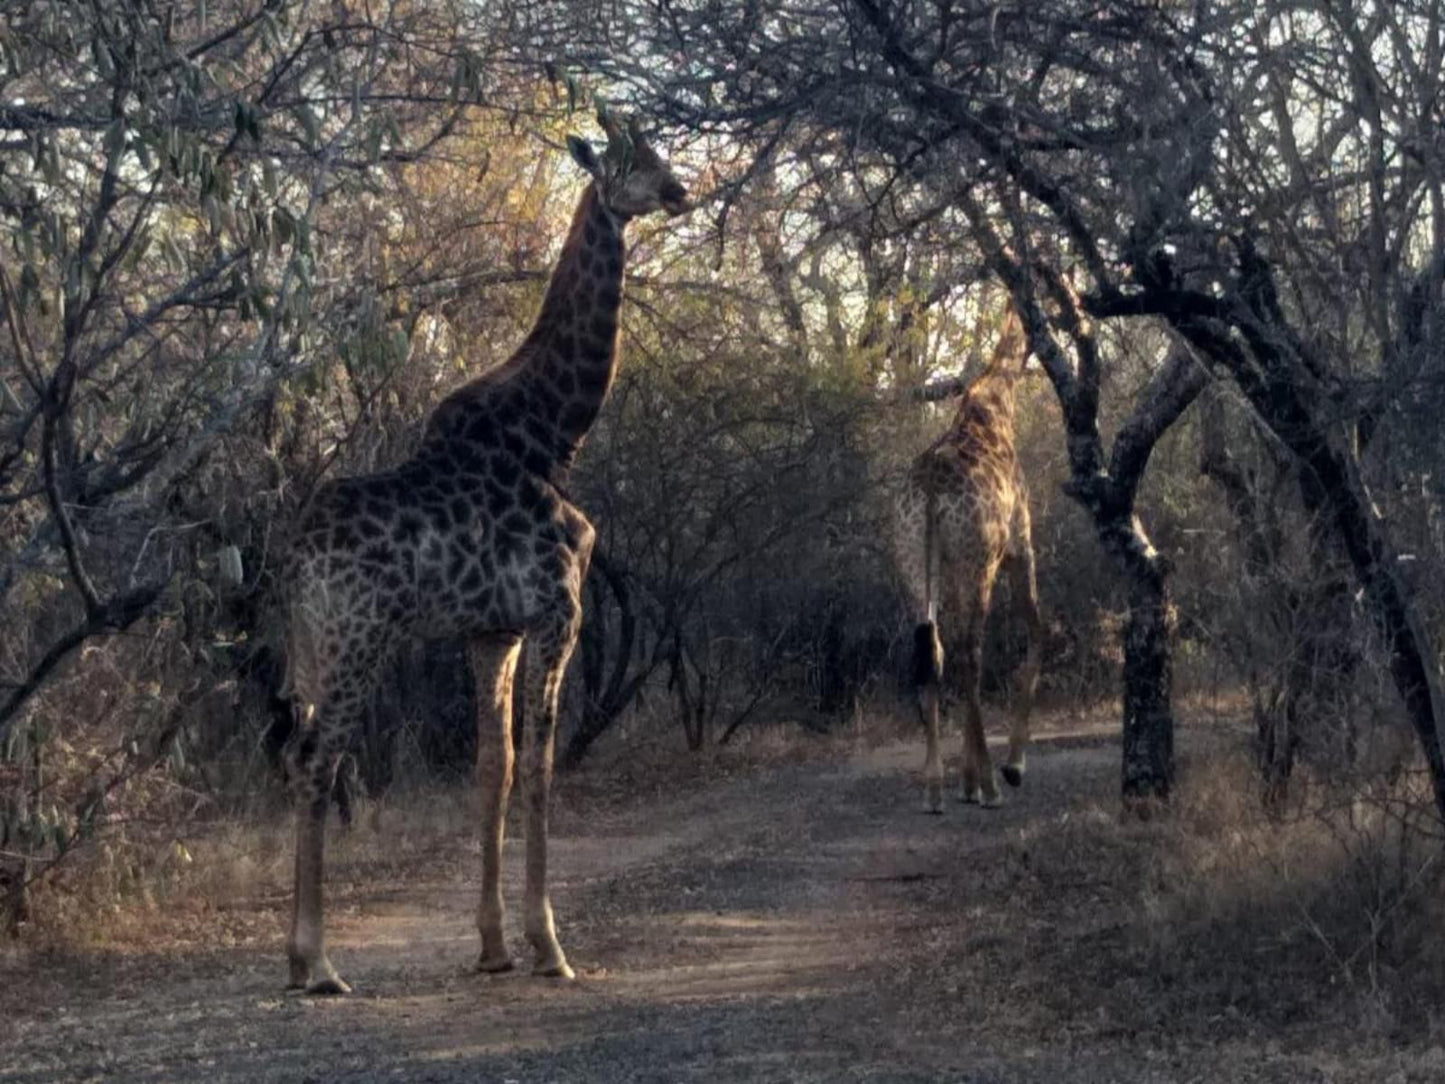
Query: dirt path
[{"x": 805, "y": 922}]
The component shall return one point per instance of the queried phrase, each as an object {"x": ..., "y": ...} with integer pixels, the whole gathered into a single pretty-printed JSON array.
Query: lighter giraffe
[
  {"x": 961, "y": 515},
  {"x": 472, "y": 537}
]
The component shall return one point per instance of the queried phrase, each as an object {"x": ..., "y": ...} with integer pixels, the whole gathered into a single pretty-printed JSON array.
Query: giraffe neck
[
  {"x": 988, "y": 408},
  {"x": 573, "y": 345}
]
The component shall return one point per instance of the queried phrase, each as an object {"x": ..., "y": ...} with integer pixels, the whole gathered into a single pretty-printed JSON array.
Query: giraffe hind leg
[
  {"x": 978, "y": 783},
  {"x": 927, "y": 683},
  {"x": 315, "y": 757},
  {"x": 1026, "y": 603}
]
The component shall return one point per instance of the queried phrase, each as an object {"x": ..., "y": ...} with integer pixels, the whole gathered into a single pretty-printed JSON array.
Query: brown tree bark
[
  {"x": 1110, "y": 496},
  {"x": 1284, "y": 382},
  {"x": 1108, "y": 489}
]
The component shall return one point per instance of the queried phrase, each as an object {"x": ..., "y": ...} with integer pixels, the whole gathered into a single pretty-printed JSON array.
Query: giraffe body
[
  {"x": 961, "y": 516},
  {"x": 471, "y": 537}
]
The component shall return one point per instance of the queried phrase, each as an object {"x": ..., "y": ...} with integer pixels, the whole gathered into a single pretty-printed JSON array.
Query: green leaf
[
  {"x": 104, "y": 62},
  {"x": 172, "y": 253},
  {"x": 309, "y": 124}
]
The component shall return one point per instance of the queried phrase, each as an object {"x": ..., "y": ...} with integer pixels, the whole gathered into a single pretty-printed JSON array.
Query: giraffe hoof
[
  {"x": 554, "y": 969},
  {"x": 933, "y": 798},
  {"x": 1014, "y": 777},
  {"x": 970, "y": 796},
  {"x": 992, "y": 801},
  {"x": 331, "y": 986},
  {"x": 495, "y": 965}
]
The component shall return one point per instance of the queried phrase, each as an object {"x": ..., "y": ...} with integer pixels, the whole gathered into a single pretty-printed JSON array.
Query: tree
[
  {"x": 178, "y": 207},
  {"x": 160, "y": 205},
  {"x": 1111, "y": 162}
]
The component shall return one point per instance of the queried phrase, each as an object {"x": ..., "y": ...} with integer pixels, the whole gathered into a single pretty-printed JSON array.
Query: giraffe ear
[{"x": 583, "y": 154}]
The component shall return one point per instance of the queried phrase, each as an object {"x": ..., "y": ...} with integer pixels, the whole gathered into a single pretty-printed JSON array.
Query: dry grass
[
  {"x": 158, "y": 883},
  {"x": 1222, "y": 916},
  {"x": 1342, "y": 889},
  {"x": 645, "y": 758},
  {"x": 1216, "y": 919}
]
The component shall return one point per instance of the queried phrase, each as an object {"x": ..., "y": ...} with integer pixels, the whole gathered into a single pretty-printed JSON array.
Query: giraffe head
[{"x": 631, "y": 177}]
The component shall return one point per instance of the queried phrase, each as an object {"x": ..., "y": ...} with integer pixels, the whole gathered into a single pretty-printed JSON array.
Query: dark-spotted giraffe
[
  {"x": 473, "y": 537},
  {"x": 961, "y": 515}
]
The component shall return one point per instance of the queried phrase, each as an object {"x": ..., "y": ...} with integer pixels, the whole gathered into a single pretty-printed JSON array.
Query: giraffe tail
[{"x": 927, "y": 655}]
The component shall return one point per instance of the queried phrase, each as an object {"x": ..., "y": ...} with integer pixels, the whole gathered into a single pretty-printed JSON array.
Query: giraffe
[
  {"x": 475, "y": 537},
  {"x": 962, "y": 514}
]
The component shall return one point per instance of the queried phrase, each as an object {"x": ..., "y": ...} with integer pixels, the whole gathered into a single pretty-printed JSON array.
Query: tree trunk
[
  {"x": 1148, "y": 717},
  {"x": 1109, "y": 496},
  {"x": 1148, "y": 768},
  {"x": 1108, "y": 489},
  {"x": 1276, "y": 383}
]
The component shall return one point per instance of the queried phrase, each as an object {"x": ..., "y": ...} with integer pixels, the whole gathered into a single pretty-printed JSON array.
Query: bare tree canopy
[
  {"x": 1215, "y": 168},
  {"x": 249, "y": 245}
]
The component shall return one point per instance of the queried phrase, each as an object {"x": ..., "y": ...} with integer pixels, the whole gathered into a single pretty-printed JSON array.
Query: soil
[{"x": 800, "y": 920}]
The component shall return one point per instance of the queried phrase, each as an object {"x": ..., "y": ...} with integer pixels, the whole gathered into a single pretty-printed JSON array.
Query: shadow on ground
[{"x": 803, "y": 922}]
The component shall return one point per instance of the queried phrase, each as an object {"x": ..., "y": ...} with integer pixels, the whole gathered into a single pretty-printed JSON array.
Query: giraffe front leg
[
  {"x": 546, "y": 663},
  {"x": 494, "y": 666}
]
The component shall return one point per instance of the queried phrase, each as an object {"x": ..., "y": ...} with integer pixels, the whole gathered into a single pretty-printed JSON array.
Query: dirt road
[{"x": 801, "y": 922}]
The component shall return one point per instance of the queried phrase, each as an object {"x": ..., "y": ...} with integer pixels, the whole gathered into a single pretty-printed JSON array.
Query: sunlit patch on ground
[{"x": 794, "y": 920}]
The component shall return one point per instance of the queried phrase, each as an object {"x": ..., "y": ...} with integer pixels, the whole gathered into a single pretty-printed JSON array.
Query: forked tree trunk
[
  {"x": 1279, "y": 379},
  {"x": 1148, "y": 761},
  {"x": 1147, "y": 770}
]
